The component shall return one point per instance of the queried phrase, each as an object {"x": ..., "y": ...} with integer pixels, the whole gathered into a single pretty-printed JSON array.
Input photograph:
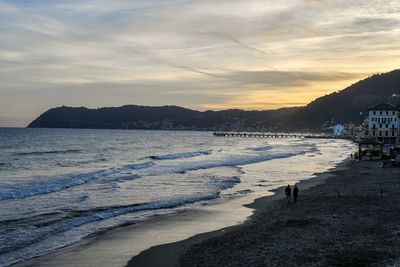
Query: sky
[{"x": 259, "y": 54}]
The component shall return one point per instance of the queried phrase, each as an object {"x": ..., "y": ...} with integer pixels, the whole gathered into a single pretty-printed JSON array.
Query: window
[
  {"x": 392, "y": 133},
  {"x": 380, "y": 125},
  {"x": 373, "y": 132},
  {"x": 380, "y": 133},
  {"x": 387, "y": 126},
  {"x": 374, "y": 112},
  {"x": 386, "y": 133},
  {"x": 387, "y": 112}
]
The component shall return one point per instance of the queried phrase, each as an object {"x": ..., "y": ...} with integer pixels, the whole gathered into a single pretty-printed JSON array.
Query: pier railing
[
  {"x": 271, "y": 135},
  {"x": 258, "y": 135}
]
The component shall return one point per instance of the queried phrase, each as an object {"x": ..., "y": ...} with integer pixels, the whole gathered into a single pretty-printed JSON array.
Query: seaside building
[
  {"x": 357, "y": 131},
  {"x": 338, "y": 130},
  {"x": 384, "y": 123}
]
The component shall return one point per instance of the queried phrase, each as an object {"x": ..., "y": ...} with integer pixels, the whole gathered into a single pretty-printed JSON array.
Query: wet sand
[{"x": 341, "y": 219}]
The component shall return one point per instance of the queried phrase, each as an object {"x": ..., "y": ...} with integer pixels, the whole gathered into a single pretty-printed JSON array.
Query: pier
[
  {"x": 275, "y": 135},
  {"x": 258, "y": 135}
]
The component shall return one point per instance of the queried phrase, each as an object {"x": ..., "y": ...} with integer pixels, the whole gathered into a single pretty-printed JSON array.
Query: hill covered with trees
[{"x": 345, "y": 106}]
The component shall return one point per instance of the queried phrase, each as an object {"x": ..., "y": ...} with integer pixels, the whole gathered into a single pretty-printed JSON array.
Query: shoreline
[
  {"x": 350, "y": 220},
  {"x": 94, "y": 250},
  {"x": 127, "y": 240},
  {"x": 169, "y": 254}
]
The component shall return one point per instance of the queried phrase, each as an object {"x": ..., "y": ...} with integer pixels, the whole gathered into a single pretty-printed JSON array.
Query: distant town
[{"x": 378, "y": 135}]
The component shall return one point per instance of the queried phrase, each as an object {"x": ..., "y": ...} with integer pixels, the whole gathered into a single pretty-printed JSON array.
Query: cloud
[
  {"x": 203, "y": 54},
  {"x": 279, "y": 79}
]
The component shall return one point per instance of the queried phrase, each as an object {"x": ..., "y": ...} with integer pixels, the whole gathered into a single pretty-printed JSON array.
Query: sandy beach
[{"x": 342, "y": 218}]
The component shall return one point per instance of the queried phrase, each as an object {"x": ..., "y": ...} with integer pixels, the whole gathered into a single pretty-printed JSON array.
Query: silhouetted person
[
  {"x": 288, "y": 193},
  {"x": 295, "y": 193}
]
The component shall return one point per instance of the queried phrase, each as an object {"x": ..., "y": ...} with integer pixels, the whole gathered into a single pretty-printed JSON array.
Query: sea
[{"x": 58, "y": 186}]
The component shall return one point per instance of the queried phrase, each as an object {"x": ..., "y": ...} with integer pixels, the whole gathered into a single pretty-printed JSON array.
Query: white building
[
  {"x": 338, "y": 130},
  {"x": 384, "y": 123}
]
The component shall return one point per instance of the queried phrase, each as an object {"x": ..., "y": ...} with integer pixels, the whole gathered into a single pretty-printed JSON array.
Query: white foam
[
  {"x": 181, "y": 155},
  {"x": 19, "y": 191}
]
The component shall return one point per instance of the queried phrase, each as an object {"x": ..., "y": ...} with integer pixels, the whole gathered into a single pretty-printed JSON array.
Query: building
[
  {"x": 384, "y": 123},
  {"x": 357, "y": 131},
  {"x": 338, "y": 130}
]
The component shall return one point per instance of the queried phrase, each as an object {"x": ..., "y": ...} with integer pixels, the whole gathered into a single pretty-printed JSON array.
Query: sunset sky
[{"x": 197, "y": 54}]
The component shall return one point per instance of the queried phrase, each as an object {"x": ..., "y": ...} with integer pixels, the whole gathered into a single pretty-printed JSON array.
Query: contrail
[
  {"x": 191, "y": 69},
  {"x": 246, "y": 46}
]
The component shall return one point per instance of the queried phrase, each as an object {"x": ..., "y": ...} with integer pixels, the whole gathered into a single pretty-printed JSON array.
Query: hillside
[
  {"x": 347, "y": 105},
  {"x": 164, "y": 117},
  {"x": 350, "y": 104}
]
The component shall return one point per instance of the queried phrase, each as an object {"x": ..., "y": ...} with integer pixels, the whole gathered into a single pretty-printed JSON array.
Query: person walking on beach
[
  {"x": 295, "y": 193},
  {"x": 288, "y": 193}
]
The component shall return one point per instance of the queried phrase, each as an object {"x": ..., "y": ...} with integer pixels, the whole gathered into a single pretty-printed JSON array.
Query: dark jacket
[
  {"x": 288, "y": 191},
  {"x": 295, "y": 191}
]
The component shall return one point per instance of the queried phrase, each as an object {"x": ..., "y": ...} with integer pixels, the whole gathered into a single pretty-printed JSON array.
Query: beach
[
  {"x": 348, "y": 216},
  {"x": 100, "y": 197}
]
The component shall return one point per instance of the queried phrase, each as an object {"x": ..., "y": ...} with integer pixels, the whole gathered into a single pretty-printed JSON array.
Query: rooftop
[{"x": 383, "y": 106}]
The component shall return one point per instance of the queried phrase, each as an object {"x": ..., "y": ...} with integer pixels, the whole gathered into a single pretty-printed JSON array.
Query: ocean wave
[
  {"x": 19, "y": 191},
  {"x": 20, "y": 238},
  {"x": 181, "y": 155},
  {"x": 233, "y": 161},
  {"x": 81, "y": 162},
  {"x": 30, "y": 153},
  {"x": 45, "y": 187},
  {"x": 261, "y": 148}
]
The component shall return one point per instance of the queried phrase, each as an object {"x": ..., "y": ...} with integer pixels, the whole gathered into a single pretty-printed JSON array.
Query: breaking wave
[
  {"x": 181, "y": 155},
  {"x": 232, "y": 161},
  {"x": 75, "y": 219},
  {"x": 19, "y": 191}
]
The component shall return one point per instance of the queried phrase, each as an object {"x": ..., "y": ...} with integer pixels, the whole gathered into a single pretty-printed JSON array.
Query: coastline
[
  {"x": 169, "y": 254},
  {"x": 115, "y": 247},
  {"x": 342, "y": 221}
]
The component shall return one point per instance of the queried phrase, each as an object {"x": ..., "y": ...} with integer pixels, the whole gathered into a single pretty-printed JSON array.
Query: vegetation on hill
[
  {"x": 351, "y": 103},
  {"x": 346, "y": 106}
]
